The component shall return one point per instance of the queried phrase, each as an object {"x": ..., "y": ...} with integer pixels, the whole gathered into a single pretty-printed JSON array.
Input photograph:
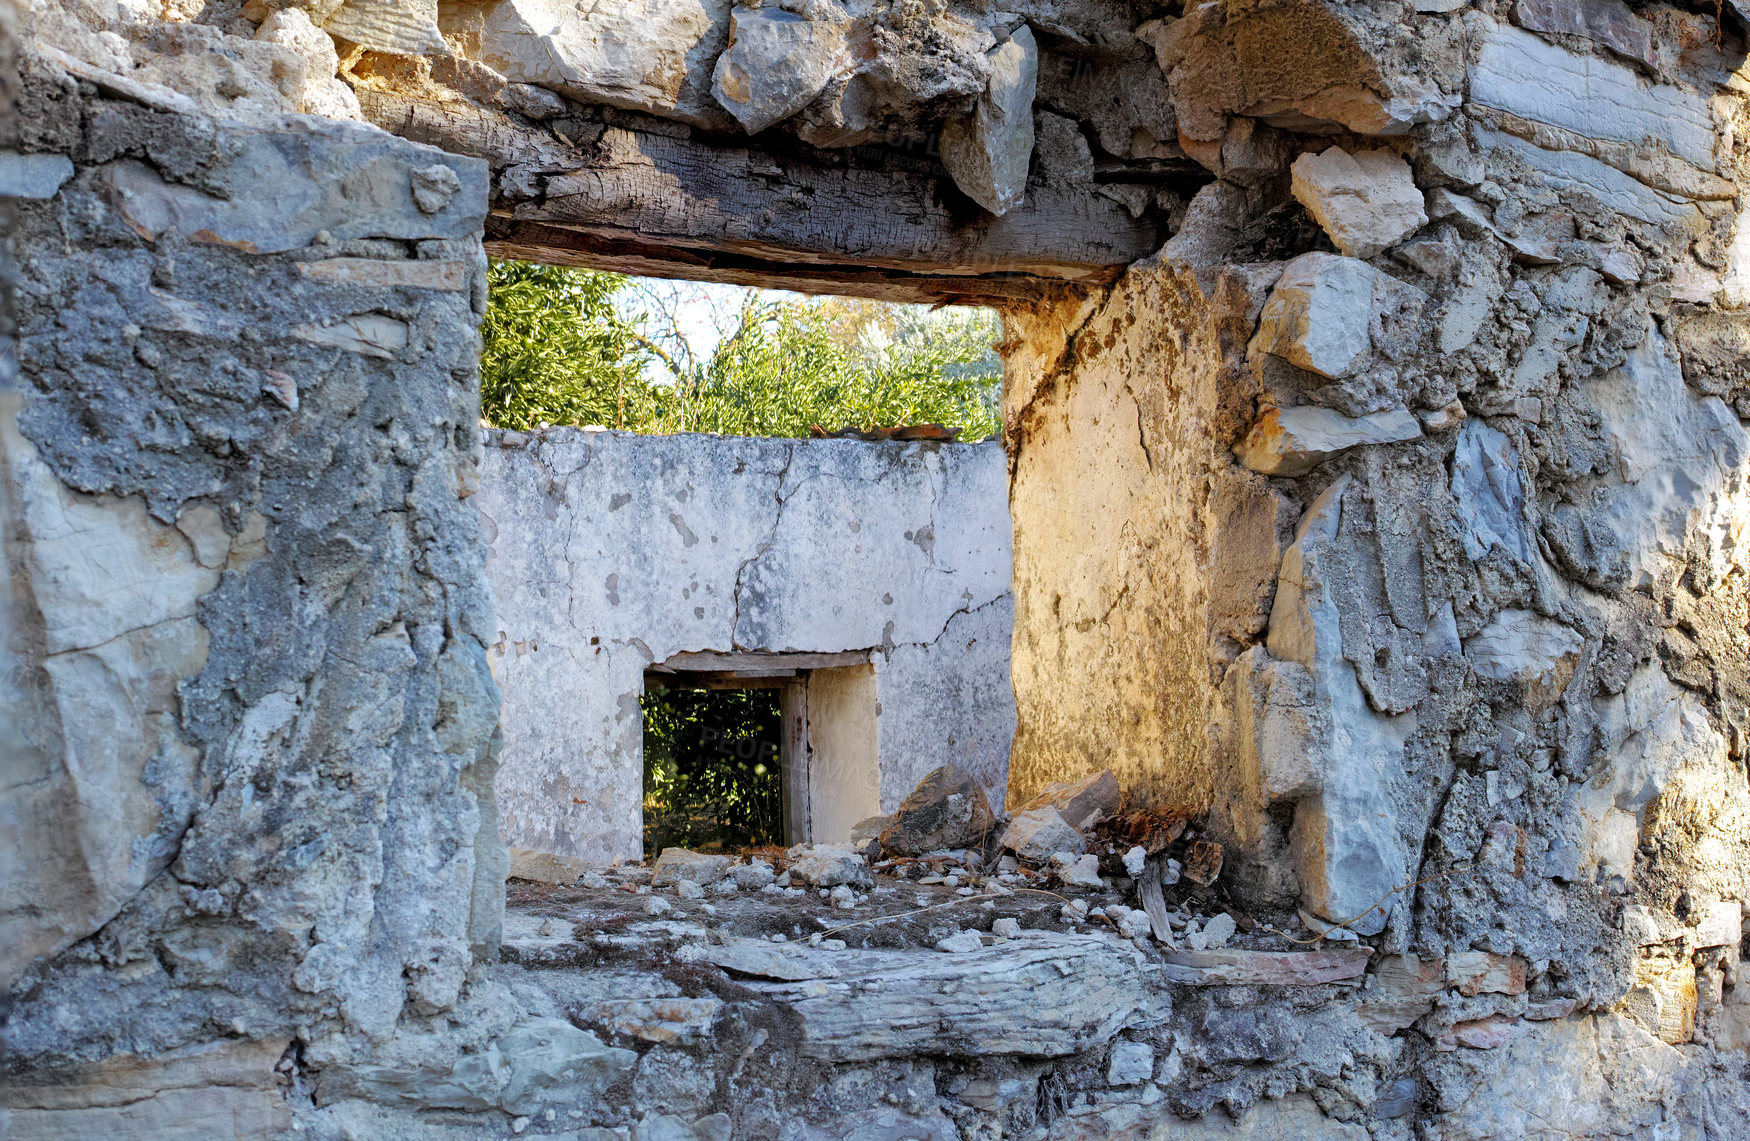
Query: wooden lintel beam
[{"x": 707, "y": 661}]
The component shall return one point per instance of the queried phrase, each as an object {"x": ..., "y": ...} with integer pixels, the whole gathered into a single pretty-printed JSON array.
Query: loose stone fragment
[
  {"x": 1083, "y": 803},
  {"x": 1219, "y": 930},
  {"x": 1036, "y": 834},
  {"x": 755, "y": 875},
  {"x": 987, "y": 153},
  {"x": 961, "y": 943},
  {"x": 1006, "y": 928},
  {"x": 948, "y": 809},
  {"x": 677, "y": 864},
  {"x": 825, "y": 865},
  {"x": 1077, "y": 871},
  {"x": 1366, "y": 202}
]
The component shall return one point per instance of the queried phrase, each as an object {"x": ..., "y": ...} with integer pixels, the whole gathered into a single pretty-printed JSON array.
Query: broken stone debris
[
  {"x": 948, "y": 809},
  {"x": 1083, "y": 803},
  {"x": 1040, "y": 833},
  {"x": 827, "y": 865},
  {"x": 675, "y": 865}
]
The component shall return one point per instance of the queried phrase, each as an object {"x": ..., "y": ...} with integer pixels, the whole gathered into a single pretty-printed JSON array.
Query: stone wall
[
  {"x": 1376, "y": 429},
  {"x": 611, "y": 552},
  {"x": 247, "y": 617}
]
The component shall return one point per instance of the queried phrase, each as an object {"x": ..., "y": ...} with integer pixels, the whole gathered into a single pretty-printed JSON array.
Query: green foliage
[
  {"x": 566, "y": 346},
  {"x": 557, "y": 351},
  {"x": 711, "y": 774}
]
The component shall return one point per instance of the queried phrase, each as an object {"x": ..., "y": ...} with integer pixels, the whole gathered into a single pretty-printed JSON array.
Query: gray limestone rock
[
  {"x": 646, "y": 55},
  {"x": 948, "y": 809},
  {"x": 1038, "y": 833},
  {"x": 828, "y": 865},
  {"x": 988, "y": 152},
  {"x": 677, "y": 864},
  {"x": 1293, "y": 441},
  {"x": 776, "y": 64},
  {"x": 1082, "y": 803},
  {"x": 34, "y": 175},
  {"x": 1330, "y": 314}
]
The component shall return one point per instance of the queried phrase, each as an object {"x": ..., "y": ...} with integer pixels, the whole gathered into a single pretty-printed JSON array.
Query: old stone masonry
[{"x": 1375, "y": 455}]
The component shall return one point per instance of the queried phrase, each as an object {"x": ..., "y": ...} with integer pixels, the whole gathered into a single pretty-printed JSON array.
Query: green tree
[
  {"x": 566, "y": 346},
  {"x": 711, "y": 769},
  {"x": 557, "y": 351}
]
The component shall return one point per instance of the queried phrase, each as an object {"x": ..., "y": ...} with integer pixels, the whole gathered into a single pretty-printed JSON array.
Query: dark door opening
[
  {"x": 748, "y": 749},
  {"x": 713, "y": 780}
]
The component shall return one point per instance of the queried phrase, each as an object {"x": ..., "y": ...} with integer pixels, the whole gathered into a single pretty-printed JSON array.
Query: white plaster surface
[{"x": 611, "y": 551}]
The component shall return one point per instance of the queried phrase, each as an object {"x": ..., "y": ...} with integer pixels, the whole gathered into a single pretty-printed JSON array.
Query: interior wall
[
  {"x": 1140, "y": 549},
  {"x": 611, "y": 551},
  {"x": 246, "y": 597}
]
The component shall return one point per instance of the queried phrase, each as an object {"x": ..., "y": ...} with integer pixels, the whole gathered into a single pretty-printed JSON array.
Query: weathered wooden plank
[
  {"x": 661, "y": 190},
  {"x": 537, "y": 241},
  {"x": 712, "y": 662},
  {"x": 793, "y": 763},
  {"x": 858, "y": 221}
]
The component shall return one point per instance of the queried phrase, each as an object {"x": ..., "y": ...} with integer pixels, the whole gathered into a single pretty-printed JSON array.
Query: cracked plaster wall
[{"x": 610, "y": 552}]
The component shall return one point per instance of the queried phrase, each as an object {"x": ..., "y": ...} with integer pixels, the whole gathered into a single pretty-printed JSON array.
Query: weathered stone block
[
  {"x": 776, "y": 63},
  {"x": 1039, "y": 833},
  {"x": 676, "y": 864},
  {"x": 1366, "y": 202},
  {"x": 1293, "y": 441},
  {"x": 987, "y": 154},
  {"x": 647, "y": 55},
  {"x": 1329, "y": 314},
  {"x": 1082, "y": 803},
  {"x": 1531, "y": 77},
  {"x": 948, "y": 809}
]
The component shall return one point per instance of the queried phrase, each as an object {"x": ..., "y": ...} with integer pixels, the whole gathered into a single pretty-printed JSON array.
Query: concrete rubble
[{"x": 1370, "y": 506}]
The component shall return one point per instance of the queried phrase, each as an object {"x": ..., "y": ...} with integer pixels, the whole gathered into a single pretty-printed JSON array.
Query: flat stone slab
[
  {"x": 1045, "y": 995},
  {"x": 1269, "y": 968}
]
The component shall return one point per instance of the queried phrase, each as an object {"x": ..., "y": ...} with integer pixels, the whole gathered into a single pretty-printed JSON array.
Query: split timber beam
[{"x": 858, "y": 221}]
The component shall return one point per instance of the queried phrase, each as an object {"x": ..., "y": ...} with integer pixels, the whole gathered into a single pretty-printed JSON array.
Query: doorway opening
[
  {"x": 712, "y": 774},
  {"x": 752, "y": 750}
]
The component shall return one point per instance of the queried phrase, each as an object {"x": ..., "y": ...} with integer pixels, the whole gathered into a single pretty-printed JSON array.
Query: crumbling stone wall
[
  {"x": 1377, "y": 456},
  {"x": 611, "y": 552},
  {"x": 247, "y": 618}
]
